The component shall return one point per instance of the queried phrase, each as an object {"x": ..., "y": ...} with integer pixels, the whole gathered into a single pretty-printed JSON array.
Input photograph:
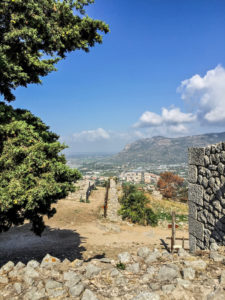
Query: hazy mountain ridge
[{"x": 164, "y": 150}]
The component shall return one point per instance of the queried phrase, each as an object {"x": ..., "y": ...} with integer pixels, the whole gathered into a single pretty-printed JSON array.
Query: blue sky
[{"x": 160, "y": 71}]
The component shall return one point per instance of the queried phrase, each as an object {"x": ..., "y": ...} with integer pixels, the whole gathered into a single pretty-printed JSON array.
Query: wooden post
[
  {"x": 183, "y": 243},
  {"x": 106, "y": 198},
  {"x": 173, "y": 238}
]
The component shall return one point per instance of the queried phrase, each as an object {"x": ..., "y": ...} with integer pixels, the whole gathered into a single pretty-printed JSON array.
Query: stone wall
[
  {"x": 113, "y": 203},
  {"x": 206, "y": 196},
  {"x": 83, "y": 190}
]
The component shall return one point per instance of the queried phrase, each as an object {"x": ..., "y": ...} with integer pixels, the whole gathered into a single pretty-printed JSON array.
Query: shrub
[
  {"x": 134, "y": 207},
  {"x": 121, "y": 266}
]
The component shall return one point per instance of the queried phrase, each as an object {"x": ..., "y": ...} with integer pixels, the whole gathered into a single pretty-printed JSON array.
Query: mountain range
[{"x": 163, "y": 150}]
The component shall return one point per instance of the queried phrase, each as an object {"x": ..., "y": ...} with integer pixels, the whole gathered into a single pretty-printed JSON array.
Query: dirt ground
[{"x": 78, "y": 230}]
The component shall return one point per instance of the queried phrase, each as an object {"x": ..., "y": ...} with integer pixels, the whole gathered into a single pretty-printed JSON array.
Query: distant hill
[{"x": 162, "y": 150}]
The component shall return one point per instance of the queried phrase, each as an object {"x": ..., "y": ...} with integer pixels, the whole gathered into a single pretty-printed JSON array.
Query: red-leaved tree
[{"x": 169, "y": 184}]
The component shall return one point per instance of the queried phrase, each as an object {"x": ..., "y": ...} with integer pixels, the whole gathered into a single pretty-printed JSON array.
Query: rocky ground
[
  {"x": 91, "y": 258},
  {"x": 147, "y": 275}
]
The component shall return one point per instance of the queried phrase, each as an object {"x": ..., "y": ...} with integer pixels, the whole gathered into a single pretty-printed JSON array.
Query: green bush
[{"x": 134, "y": 207}]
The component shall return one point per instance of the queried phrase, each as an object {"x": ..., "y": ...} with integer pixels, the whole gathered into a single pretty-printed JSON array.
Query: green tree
[
  {"x": 33, "y": 173},
  {"x": 35, "y": 35},
  {"x": 128, "y": 188},
  {"x": 134, "y": 207}
]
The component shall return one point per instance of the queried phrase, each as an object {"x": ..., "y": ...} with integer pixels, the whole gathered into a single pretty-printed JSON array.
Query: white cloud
[
  {"x": 206, "y": 95},
  {"x": 175, "y": 116},
  {"x": 168, "y": 117},
  {"x": 149, "y": 118},
  {"x": 178, "y": 129},
  {"x": 91, "y": 135}
]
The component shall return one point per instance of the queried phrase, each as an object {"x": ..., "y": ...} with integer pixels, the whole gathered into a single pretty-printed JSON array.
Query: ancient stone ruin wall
[
  {"x": 206, "y": 196},
  {"x": 113, "y": 203},
  {"x": 83, "y": 190}
]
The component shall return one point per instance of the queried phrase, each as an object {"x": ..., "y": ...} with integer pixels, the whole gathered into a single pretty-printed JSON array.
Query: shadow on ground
[{"x": 20, "y": 244}]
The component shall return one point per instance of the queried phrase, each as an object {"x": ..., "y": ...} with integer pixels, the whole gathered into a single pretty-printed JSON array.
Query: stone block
[
  {"x": 219, "y": 147},
  {"x": 209, "y": 191},
  {"x": 213, "y": 149},
  {"x": 199, "y": 181},
  {"x": 201, "y": 217},
  {"x": 222, "y": 156},
  {"x": 205, "y": 182},
  {"x": 216, "y": 204},
  {"x": 215, "y": 173},
  {"x": 195, "y": 193},
  {"x": 206, "y": 160},
  {"x": 200, "y": 245},
  {"x": 211, "y": 219},
  {"x": 221, "y": 168},
  {"x": 167, "y": 273},
  {"x": 192, "y": 209},
  {"x": 212, "y": 167},
  {"x": 217, "y": 236},
  {"x": 207, "y": 150},
  {"x": 192, "y": 174},
  {"x": 208, "y": 173},
  {"x": 215, "y": 159},
  {"x": 192, "y": 243},
  {"x": 196, "y": 229},
  {"x": 196, "y": 156},
  {"x": 202, "y": 170}
]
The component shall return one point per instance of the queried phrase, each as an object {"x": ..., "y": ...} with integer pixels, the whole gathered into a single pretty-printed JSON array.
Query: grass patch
[{"x": 163, "y": 209}]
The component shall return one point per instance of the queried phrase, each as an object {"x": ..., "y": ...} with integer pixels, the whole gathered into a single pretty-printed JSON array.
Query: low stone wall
[
  {"x": 206, "y": 196},
  {"x": 83, "y": 190},
  {"x": 113, "y": 203}
]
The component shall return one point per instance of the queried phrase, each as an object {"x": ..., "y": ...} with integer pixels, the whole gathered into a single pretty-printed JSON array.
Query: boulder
[
  {"x": 124, "y": 257},
  {"x": 88, "y": 295},
  {"x": 167, "y": 273},
  {"x": 143, "y": 252}
]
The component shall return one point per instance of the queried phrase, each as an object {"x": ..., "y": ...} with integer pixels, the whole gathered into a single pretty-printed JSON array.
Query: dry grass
[{"x": 163, "y": 208}]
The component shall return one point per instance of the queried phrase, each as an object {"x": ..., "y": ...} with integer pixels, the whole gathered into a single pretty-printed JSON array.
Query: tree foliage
[
  {"x": 35, "y": 35},
  {"x": 134, "y": 207},
  {"x": 33, "y": 173},
  {"x": 170, "y": 184}
]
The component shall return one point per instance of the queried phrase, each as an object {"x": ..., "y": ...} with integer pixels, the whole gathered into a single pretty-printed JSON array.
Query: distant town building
[
  {"x": 139, "y": 177},
  {"x": 150, "y": 178}
]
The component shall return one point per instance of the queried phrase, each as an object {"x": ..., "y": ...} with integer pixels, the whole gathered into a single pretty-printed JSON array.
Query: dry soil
[{"x": 78, "y": 230}]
